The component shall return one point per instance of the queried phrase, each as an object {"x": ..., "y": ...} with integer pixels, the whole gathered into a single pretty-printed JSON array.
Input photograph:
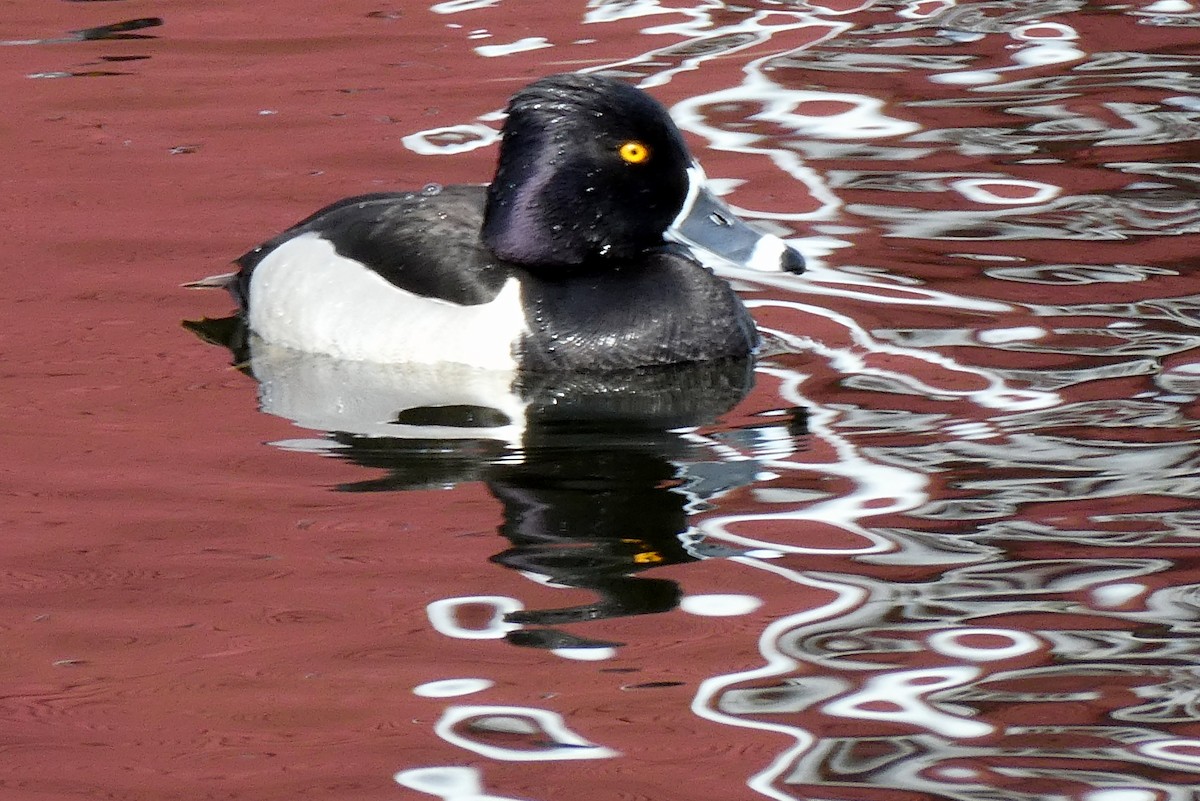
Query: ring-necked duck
[{"x": 578, "y": 255}]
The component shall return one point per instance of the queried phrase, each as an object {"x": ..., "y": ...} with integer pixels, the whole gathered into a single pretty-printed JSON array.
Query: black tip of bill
[
  {"x": 792, "y": 262},
  {"x": 706, "y": 224}
]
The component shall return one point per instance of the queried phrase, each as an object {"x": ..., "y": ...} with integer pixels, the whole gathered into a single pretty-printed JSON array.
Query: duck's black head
[{"x": 590, "y": 168}]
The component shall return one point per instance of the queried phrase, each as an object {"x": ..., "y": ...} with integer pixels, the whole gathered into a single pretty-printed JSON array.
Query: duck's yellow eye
[{"x": 634, "y": 152}]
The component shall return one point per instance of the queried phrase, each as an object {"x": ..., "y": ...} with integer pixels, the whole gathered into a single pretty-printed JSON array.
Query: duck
[{"x": 584, "y": 253}]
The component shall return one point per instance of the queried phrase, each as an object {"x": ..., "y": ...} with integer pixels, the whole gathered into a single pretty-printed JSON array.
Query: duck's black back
[{"x": 427, "y": 243}]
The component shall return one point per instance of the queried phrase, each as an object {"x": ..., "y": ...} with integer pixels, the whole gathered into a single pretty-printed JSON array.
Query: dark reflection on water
[
  {"x": 113, "y": 31},
  {"x": 119, "y": 30},
  {"x": 594, "y": 472}
]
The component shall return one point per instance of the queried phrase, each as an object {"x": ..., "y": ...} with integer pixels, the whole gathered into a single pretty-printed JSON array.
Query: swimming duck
[{"x": 578, "y": 256}]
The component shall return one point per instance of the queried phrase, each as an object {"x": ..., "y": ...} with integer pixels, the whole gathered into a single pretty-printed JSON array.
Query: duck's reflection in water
[{"x": 595, "y": 472}]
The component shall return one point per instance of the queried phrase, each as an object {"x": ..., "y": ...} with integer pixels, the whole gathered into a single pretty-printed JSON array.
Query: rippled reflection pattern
[{"x": 1029, "y": 629}]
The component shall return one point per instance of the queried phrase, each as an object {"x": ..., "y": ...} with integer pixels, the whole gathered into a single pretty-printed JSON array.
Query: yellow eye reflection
[{"x": 634, "y": 152}]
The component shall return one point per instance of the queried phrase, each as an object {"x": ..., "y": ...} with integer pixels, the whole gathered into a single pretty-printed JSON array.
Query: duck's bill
[{"x": 706, "y": 224}]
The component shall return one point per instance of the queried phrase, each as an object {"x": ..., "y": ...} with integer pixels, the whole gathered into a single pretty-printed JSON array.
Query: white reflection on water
[
  {"x": 452, "y": 688},
  {"x": 898, "y": 696},
  {"x": 852, "y": 354},
  {"x": 450, "y": 782},
  {"x": 444, "y": 616},
  {"x": 519, "y": 46},
  {"x": 546, "y": 734},
  {"x": 456, "y": 6}
]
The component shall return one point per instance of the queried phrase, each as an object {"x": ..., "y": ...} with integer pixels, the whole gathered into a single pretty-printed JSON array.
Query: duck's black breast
[
  {"x": 662, "y": 308},
  {"x": 426, "y": 243}
]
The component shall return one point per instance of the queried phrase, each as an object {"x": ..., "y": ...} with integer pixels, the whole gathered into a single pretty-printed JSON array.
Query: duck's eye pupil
[{"x": 634, "y": 152}]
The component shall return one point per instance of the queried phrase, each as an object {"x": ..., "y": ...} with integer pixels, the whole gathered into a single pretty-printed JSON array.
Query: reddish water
[{"x": 968, "y": 570}]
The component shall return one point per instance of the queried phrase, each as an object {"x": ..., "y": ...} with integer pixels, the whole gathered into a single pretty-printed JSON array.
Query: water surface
[{"x": 938, "y": 543}]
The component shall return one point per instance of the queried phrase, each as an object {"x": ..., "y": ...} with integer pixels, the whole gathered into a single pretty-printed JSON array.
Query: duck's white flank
[{"x": 306, "y": 296}]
